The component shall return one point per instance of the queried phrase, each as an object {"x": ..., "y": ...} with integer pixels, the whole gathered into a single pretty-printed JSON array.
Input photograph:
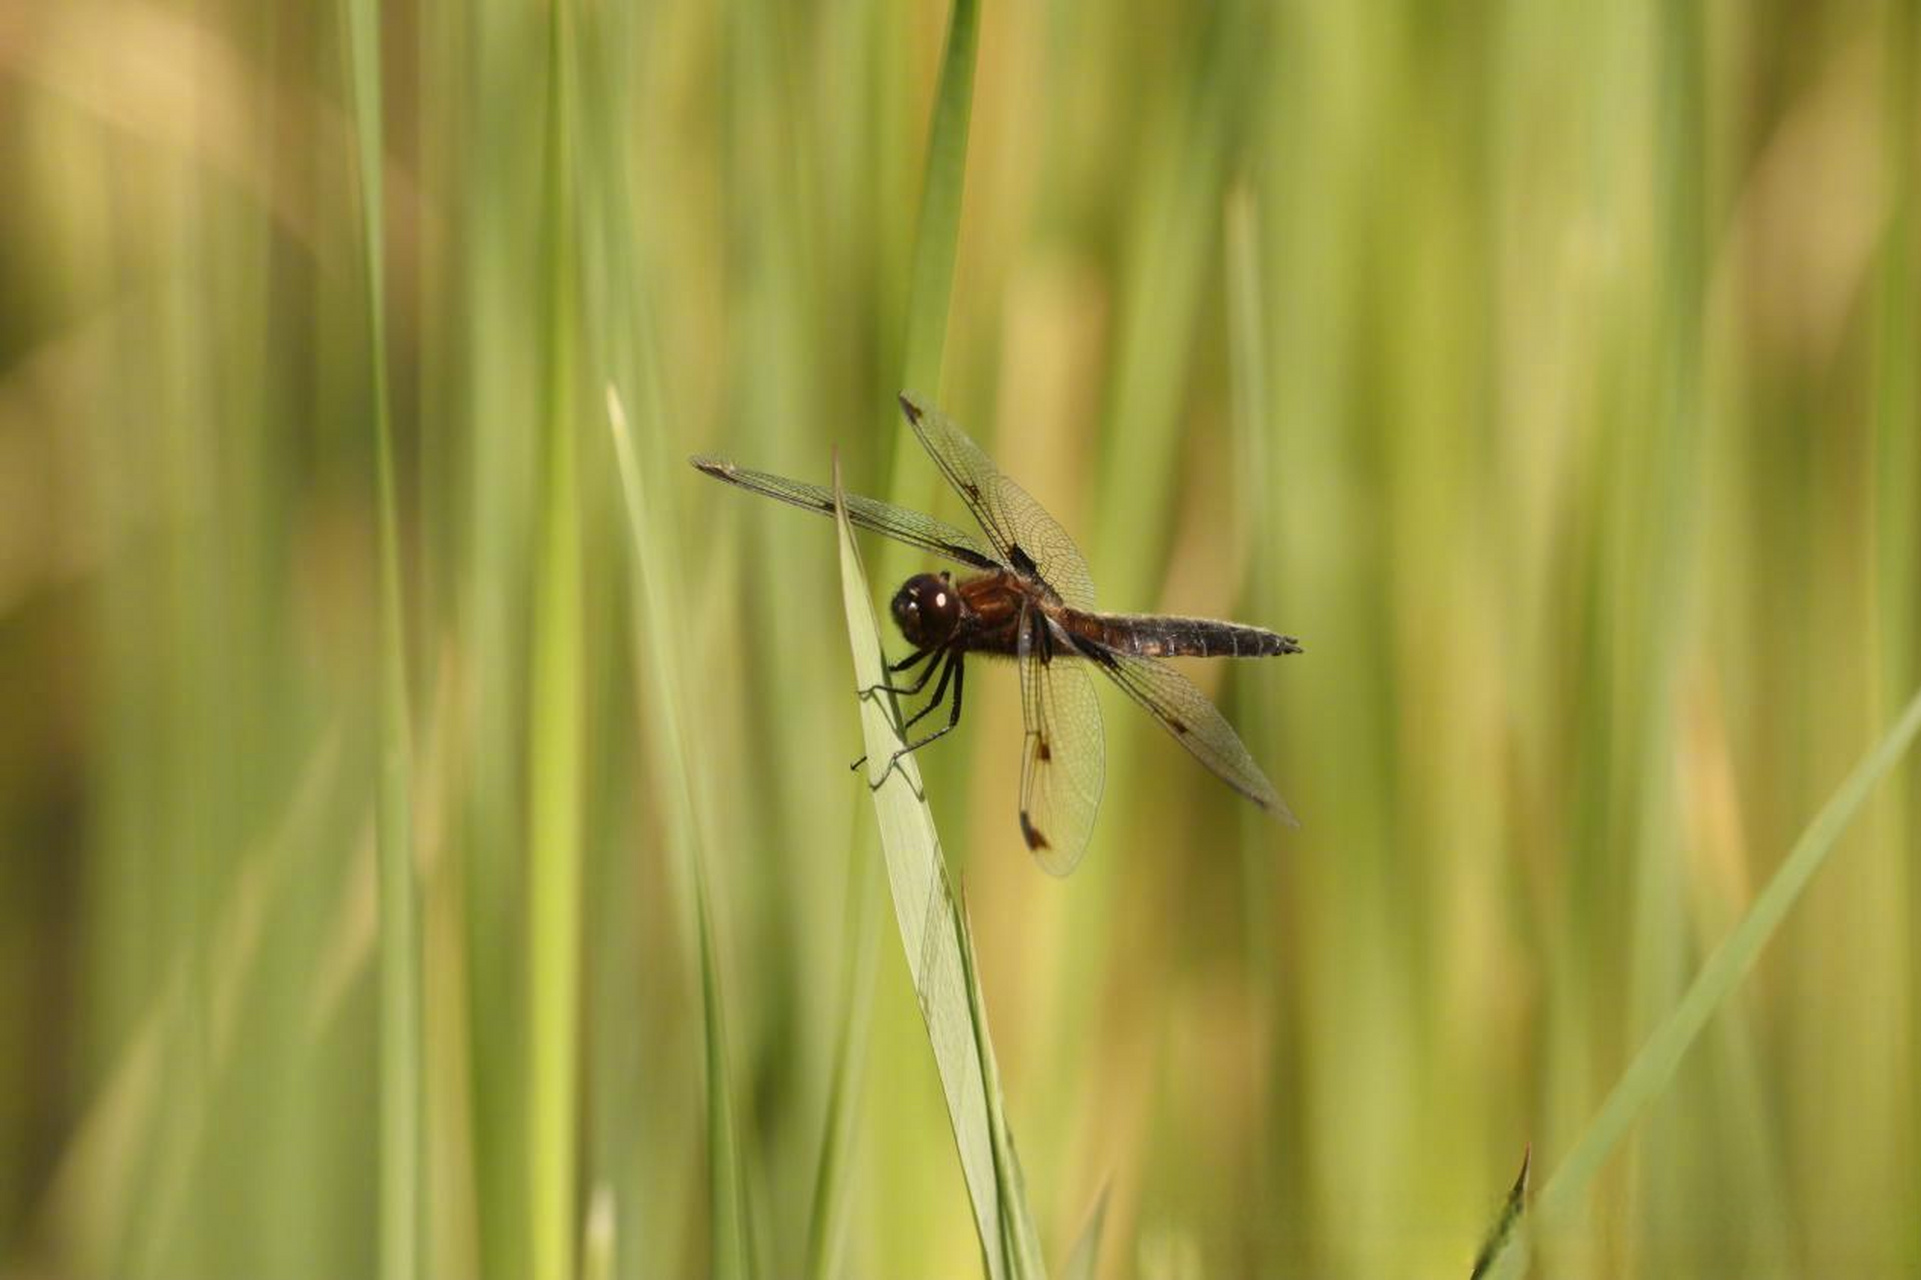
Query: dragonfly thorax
[
  {"x": 927, "y": 609},
  {"x": 1023, "y": 593}
]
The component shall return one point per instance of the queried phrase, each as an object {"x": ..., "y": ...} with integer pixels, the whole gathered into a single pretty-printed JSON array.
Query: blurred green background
[{"x": 1549, "y": 369}]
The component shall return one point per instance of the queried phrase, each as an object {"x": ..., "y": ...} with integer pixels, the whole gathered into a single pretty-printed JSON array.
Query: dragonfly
[{"x": 1025, "y": 593}]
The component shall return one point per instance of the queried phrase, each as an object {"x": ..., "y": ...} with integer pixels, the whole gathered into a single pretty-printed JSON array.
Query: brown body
[
  {"x": 1028, "y": 596},
  {"x": 990, "y": 622}
]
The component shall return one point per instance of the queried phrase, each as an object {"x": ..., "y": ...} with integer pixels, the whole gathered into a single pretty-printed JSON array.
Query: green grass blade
[
  {"x": 1020, "y": 1244},
  {"x": 733, "y": 1253},
  {"x": 830, "y": 1174},
  {"x": 1649, "y": 1072},
  {"x": 399, "y": 896},
  {"x": 554, "y": 803},
  {"x": 936, "y": 241},
  {"x": 940, "y": 207},
  {"x": 1503, "y": 1227},
  {"x": 934, "y": 936},
  {"x": 1896, "y": 467},
  {"x": 930, "y": 298},
  {"x": 1175, "y": 217},
  {"x": 1253, "y": 435},
  {"x": 732, "y": 1236},
  {"x": 1084, "y": 1260},
  {"x": 97, "y": 1173}
]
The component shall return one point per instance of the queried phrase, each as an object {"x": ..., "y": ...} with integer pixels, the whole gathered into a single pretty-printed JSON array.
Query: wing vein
[{"x": 1192, "y": 720}]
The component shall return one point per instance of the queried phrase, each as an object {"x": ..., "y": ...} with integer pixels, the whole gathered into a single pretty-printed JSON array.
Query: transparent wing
[
  {"x": 911, "y": 527},
  {"x": 1023, "y": 535},
  {"x": 1064, "y": 756},
  {"x": 1184, "y": 711}
]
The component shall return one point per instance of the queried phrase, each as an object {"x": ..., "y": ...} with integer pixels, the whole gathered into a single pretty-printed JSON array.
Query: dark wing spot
[
  {"x": 1176, "y": 725},
  {"x": 907, "y": 407},
  {"x": 1044, "y": 751},
  {"x": 1022, "y": 561},
  {"x": 972, "y": 490},
  {"x": 1035, "y": 840}
]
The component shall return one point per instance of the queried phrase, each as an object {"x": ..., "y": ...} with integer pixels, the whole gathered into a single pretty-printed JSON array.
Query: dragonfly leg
[
  {"x": 949, "y": 668},
  {"x": 953, "y": 722},
  {"x": 907, "y": 664}
]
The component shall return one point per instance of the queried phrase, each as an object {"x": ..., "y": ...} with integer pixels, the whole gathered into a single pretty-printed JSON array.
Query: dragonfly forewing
[
  {"x": 899, "y": 523},
  {"x": 1024, "y": 535}
]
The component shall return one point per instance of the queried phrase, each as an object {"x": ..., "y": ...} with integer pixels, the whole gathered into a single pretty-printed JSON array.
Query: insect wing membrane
[
  {"x": 1063, "y": 758},
  {"x": 1186, "y": 713},
  {"x": 1023, "y": 534},
  {"x": 898, "y": 523}
]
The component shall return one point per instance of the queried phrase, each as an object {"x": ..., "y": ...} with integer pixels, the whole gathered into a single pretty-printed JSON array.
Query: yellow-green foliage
[{"x": 1549, "y": 369}]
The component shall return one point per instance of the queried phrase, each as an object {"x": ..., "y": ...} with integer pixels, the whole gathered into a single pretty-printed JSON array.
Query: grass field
[{"x": 427, "y": 847}]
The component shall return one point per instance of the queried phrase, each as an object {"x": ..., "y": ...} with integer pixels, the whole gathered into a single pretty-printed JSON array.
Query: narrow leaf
[
  {"x": 731, "y": 1225},
  {"x": 556, "y": 721},
  {"x": 930, "y": 297},
  {"x": 1651, "y": 1068},
  {"x": 1020, "y": 1244},
  {"x": 1510, "y": 1214},
  {"x": 933, "y": 935},
  {"x": 400, "y": 1026},
  {"x": 939, "y": 232},
  {"x": 1086, "y": 1256},
  {"x": 843, "y": 1102}
]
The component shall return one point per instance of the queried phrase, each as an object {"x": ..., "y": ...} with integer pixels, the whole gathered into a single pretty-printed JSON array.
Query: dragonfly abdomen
[{"x": 1153, "y": 636}]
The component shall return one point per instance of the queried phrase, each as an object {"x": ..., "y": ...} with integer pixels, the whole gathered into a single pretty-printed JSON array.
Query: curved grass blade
[
  {"x": 938, "y": 235},
  {"x": 843, "y": 1105},
  {"x": 1020, "y": 1246},
  {"x": 930, "y": 297},
  {"x": 1086, "y": 1255},
  {"x": 934, "y": 935},
  {"x": 400, "y": 1024},
  {"x": 732, "y": 1222},
  {"x": 1648, "y": 1074},
  {"x": 97, "y": 1175},
  {"x": 556, "y": 716},
  {"x": 936, "y": 241},
  {"x": 1504, "y": 1225}
]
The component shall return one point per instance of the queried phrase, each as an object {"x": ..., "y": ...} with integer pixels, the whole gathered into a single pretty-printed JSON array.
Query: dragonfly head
[{"x": 927, "y": 609}]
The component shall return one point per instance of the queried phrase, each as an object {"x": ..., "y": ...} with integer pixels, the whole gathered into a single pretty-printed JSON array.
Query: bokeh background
[{"x": 1549, "y": 369}]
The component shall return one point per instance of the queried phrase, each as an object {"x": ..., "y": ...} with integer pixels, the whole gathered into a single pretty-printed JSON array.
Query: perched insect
[{"x": 1030, "y": 598}]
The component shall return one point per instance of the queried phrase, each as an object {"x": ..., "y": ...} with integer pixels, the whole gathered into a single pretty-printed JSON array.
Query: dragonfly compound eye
[
  {"x": 926, "y": 609},
  {"x": 1029, "y": 598}
]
